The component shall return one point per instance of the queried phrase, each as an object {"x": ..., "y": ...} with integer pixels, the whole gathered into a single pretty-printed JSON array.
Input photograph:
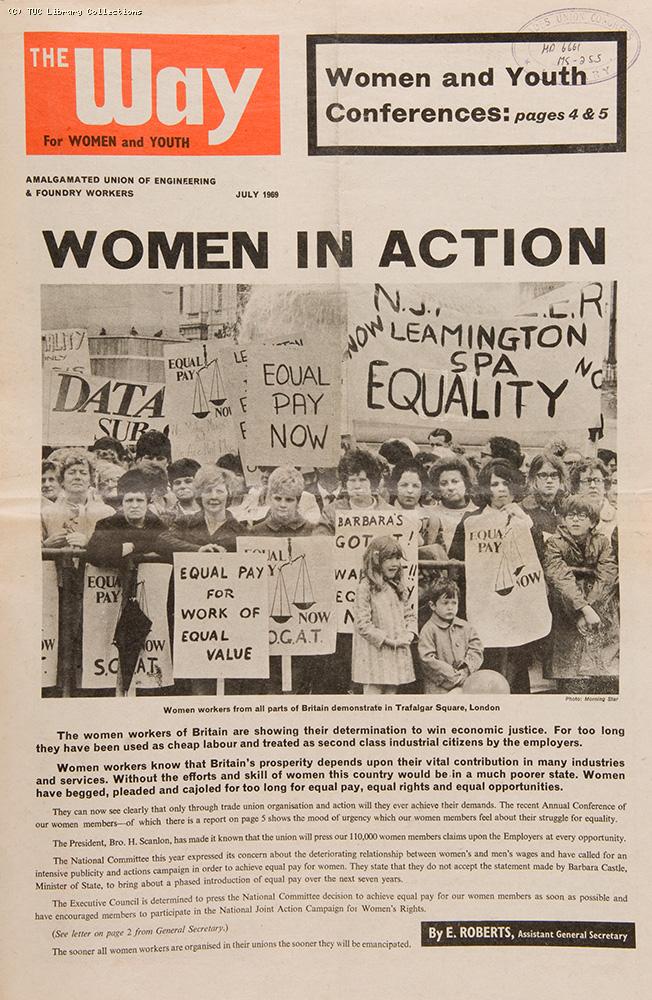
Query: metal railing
[{"x": 70, "y": 563}]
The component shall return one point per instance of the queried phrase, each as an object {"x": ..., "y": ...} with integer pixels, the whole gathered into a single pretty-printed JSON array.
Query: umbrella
[{"x": 131, "y": 630}]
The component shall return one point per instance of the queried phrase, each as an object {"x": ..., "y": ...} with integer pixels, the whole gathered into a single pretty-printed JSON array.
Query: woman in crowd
[
  {"x": 547, "y": 486},
  {"x": 181, "y": 477},
  {"x": 360, "y": 472},
  {"x": 133, "y": 529},
  {"x": 500, "y": 488},
  {"x": 69, "y": 522},
  {"x": 284, "y": 490},
  {"x": 406, "y": 486},
  {"x": 71, "y": 519},
  {"x": 50, "y": 485},
  {"x": 452, "y": 485},
  {"x": 212, "y": 528},
  {"x": 255, "y": 506},
  {"x": 583, "y": 579},
  {"x": 590, "y": 479},
  {"x": 107, "y": 475}
]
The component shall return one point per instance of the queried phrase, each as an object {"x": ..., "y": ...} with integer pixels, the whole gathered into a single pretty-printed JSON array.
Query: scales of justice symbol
[
  {"x": 302, "y": 594},
  {"x": 511, "y": 563},
  {"x": 215, "y": 393}
]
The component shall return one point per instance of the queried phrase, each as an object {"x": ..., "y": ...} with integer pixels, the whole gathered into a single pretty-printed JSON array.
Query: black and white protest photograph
[{"x": 365, "y": 489}]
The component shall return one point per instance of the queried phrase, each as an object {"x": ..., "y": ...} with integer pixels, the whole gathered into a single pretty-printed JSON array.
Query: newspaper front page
[{"x": 326, "y": 333}]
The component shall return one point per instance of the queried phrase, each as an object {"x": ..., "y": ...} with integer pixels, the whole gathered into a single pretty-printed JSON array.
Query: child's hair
[
  {"x": 380, "y": 548},
  {"x": 578, "y": 504},
  {"x": 442, "y": 587},
  {"x": 285, "y": 479}
]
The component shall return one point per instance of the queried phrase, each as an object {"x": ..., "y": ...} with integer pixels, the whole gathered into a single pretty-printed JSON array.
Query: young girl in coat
[{"x": 385, "y": 623}]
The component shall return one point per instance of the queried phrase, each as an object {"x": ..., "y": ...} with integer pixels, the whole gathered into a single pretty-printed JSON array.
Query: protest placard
[
  {"x": 297, "y": 394},
  {"x": 301, "y": 599},
  {"x": 505, "y": 588},
  {"x": 66, "y": 351},
  {"x": 232, "y": 359},
  {"x": 50, "y": 625},
  {"x": 78, "y": 409},
  {"x": 233, "y": 366},
  {"x": 102, "y": 603},
  {"x": 220, "y": 603},
  {"x": 353, "y": 532},
  {"x": 525, "y": 364},
  {"x": 198, "y": 406}
]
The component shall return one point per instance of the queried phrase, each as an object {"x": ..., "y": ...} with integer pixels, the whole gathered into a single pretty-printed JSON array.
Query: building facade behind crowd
[{"x": 112, "y": 506}]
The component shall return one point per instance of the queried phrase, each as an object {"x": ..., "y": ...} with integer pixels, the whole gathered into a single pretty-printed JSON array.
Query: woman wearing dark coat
[{"x": 132, "y": 530}]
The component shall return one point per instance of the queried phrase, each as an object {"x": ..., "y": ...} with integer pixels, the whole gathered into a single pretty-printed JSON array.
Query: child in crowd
[
  {"x": 385, "y": 623},
  {"x": 449, "y": 648}
]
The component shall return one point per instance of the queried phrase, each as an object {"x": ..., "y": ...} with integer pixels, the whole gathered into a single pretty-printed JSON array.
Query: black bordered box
[
  {"x": 618, "y": 145},
  {"x": 532, "y": 933}
]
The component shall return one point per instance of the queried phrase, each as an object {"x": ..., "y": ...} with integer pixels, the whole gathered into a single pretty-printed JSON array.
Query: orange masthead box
[{"x": 151, "y": 95}]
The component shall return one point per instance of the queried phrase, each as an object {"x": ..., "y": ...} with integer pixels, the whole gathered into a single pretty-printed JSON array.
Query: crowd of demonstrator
[{"x": 114, "y": 505}]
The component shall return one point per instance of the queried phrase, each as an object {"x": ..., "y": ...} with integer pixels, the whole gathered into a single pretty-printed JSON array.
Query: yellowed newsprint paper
[{"x": 325, "y": 489}]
